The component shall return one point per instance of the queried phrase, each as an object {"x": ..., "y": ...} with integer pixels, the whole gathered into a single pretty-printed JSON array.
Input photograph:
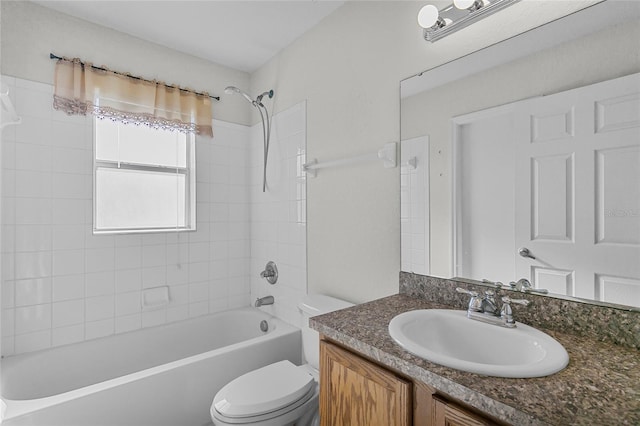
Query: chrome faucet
[
  {"x": 486, "y": 310},
  {"x": 475, "y": 303},
  {"x": 524, "y": 285},
  {"x": 261, "y": 301},
  {"x": 489, "y": 305}
]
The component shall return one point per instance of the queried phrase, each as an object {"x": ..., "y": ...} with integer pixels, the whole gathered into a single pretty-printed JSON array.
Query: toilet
[{"x": 281, "y": 393}]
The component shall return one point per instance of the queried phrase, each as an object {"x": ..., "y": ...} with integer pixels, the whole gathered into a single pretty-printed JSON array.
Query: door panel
[
  {"x": 617, "y": 201},
  {"x": 552, "y": 198},
  {"x": 621, "y": 112},
  {"x": 555, "y": 280},
  {"x": 552, "y": 126},
  {"x": 616, "y": 289}
]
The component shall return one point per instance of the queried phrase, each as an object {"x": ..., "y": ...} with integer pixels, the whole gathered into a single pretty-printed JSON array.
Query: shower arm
[{"x": 260, "y": 96}]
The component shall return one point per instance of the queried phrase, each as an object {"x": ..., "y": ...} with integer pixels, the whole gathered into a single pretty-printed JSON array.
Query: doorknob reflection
[{"x": 524, "y": 252}]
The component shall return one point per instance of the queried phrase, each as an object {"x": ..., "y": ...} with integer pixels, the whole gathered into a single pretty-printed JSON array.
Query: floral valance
[{"x": 82, "y": 89}]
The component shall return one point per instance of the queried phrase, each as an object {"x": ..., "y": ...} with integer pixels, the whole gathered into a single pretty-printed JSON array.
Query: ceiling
[{"x": 239, "y": 34}]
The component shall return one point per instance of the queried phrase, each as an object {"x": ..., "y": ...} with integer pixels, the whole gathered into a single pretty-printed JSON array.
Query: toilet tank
[{"x": 312, "y": 305}]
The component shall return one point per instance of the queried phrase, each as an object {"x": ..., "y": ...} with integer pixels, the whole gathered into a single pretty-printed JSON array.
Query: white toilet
[{"x": 281, "y": 393}]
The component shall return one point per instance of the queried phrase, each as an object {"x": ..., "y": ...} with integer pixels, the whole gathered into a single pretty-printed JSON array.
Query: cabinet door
[
  {"x": 356, "y": 392},
  {"x": 447, "y": 414}
]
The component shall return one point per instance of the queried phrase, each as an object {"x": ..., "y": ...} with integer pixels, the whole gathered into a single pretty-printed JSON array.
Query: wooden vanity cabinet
[
  {"x": 449, "y": 414},
  {"x": 354, "y": 391},
  {"x": 357, "y": 392}
]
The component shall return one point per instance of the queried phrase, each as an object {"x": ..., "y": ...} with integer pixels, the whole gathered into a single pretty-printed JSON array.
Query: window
[{"x": 144, "y": 179}]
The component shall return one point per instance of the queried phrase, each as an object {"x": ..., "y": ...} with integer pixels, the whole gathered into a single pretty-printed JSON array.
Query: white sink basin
[{"x": 449, "y": 338}]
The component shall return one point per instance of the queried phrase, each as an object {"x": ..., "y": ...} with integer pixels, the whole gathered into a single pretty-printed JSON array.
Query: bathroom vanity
[
  {"x": 367, "y": 393},
  {"x": 366, "y": 378}
]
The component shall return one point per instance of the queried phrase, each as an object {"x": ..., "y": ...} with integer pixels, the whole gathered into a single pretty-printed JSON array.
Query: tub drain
[{"x": 264, "y": 326}]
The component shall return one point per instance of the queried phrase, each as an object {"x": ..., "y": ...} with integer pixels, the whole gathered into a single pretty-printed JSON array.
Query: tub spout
[{"x": 267, "y": 300}]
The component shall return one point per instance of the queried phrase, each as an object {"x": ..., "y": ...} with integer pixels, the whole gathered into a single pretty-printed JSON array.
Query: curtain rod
[{"x": 217, "y": 98}]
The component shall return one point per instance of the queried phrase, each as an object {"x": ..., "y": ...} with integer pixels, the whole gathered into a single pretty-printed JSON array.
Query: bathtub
[{"x": 166, "y": 375}]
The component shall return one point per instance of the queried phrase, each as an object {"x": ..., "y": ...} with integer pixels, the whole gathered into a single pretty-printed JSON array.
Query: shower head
[
  {"x": 229, "y": 90},
  {"x": 266, "y": 123}
]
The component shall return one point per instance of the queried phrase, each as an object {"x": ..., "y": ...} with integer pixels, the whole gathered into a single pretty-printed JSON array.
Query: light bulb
[
  {"x": 428, "y": 16},
  {"x": 467, "y": 4}
]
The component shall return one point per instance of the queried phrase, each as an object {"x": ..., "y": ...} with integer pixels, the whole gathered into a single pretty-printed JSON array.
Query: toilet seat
[{"x": 264, "y": 393}]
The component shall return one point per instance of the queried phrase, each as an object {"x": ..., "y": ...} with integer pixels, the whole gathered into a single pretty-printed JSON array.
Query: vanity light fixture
[{"x": 462, "y": 13}]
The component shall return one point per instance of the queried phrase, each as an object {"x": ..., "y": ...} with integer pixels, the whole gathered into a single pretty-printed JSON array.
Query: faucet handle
[
  {"x": 497, "y": 284},
  {"x": 508, "y": 300},
  {"x": 465, "y": 291},
  {"x": 475, "y": 303},
  {"x": 270, "y": 272},
  {"x": 506, "y": 313}
]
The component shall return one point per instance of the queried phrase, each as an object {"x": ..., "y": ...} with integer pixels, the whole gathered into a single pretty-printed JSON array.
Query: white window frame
[{"x": 190, "y": 191}]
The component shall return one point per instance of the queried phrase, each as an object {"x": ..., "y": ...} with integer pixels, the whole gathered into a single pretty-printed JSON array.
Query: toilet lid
[{"x": 263, "y": 390}]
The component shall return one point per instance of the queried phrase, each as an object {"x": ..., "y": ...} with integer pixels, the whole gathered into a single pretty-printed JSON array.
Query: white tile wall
[
  {"x": 60, "y": 283},
  {"x": 414, "y": 206},
  {"x": 278, "y": 217}
]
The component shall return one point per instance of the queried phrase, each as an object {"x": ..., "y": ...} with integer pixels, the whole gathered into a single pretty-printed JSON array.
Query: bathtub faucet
[{"x": 267, "y": 300}]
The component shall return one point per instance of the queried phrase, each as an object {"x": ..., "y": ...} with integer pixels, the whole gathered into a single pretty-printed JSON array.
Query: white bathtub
[{"x": 165, "y": 375}]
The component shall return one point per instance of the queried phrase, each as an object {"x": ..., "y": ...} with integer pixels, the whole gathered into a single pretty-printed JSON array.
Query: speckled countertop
[{"x": 601, "y": 385}]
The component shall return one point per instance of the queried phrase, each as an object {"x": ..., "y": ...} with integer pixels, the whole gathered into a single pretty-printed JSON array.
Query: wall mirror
[{"x": 522, "y": 160}]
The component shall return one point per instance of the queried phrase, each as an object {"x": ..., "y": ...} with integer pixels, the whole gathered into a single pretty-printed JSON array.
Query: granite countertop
[{"x": 600, "y": 386}]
